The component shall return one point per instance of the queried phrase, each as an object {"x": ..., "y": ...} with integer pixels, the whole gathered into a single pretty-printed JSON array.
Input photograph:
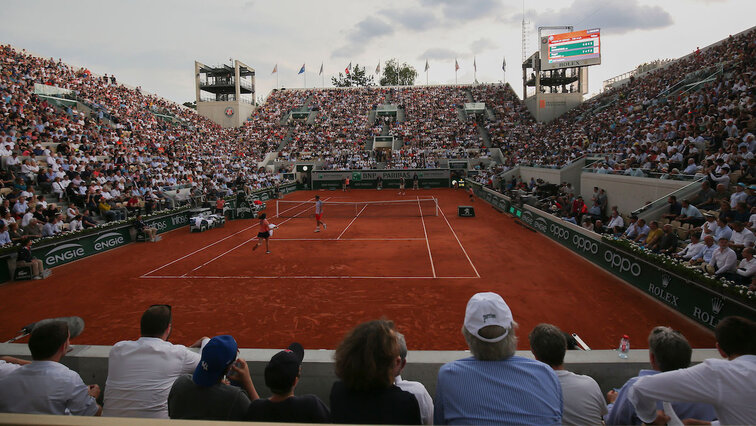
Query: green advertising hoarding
[{"x": 702, "y": 304}]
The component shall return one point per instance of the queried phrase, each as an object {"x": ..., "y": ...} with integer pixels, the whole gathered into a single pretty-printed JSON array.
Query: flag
[
  {"x": 275, "y": 69},
  {"x": 348, "y": 68},
  {"x": 475, "y": 65},
  {"x": 378, "y": 68},
  {"x": 504, "y": 64},
  {"x": 456, "y": 65},
  {"x": 427, "y": 67},
  {"x": 321, "y": 69},
  {"x": 301, "y": 70}
]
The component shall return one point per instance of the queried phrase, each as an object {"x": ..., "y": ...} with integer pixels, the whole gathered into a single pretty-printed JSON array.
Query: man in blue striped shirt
[{"x": 494, "y": 386}]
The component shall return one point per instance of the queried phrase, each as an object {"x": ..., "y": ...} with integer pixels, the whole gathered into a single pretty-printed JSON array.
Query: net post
[
  {"x": 277, "y": 208},
  {"x": 435, "y": 204}
]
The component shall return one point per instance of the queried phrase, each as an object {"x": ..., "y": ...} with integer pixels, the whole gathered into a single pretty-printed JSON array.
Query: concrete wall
[
  {"x": 91, "y": 362},
  {"x": 548, "y": 175},
  {"x": 216, "y": 111},
  {"x": 547, "y": 106},
  {"x": 628, "y": 193}
]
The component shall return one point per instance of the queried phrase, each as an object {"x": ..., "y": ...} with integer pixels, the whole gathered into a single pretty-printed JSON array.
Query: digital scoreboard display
[{"x": 567, "y": 50}]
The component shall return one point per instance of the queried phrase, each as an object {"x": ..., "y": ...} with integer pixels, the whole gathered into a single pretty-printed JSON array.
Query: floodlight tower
[{"x": 225, "y": 93}]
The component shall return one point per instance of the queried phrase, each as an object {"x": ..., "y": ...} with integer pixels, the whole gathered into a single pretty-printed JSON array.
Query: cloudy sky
[{"x": 155, "y": 43}]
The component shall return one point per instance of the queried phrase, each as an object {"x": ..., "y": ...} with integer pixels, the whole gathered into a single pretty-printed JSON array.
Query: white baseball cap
[{"x": 484, "y": 309}]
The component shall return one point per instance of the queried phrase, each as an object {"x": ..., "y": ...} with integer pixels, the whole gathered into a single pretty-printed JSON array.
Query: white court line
[
  {"x": 459, "y": 242},
  {"x": 350, "y": 223},
  {"x": 308, "y": 277},
  {"x": 427, "y": 243},
  {"x": 239, "y": 245},
  {"x": 205, "y": 247}
]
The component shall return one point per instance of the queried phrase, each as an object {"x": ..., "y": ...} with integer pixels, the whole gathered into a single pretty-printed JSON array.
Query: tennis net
[{"x": 390, "y": 208}]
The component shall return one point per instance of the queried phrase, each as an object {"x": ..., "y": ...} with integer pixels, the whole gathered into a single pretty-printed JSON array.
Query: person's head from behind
[
  {"x": 284, "y": 369},
  {"x": 368, "y": 356},
  {"x": 156, "y": 322},
  {"x": 48, "y": 339},
  {"x": 736, "y": 336},
  {"x": 548, "y": 344},
  {"x": 489, "y": 328},
  {"x": 263, "y": 216},
  {"x": 668, "y": 349}
]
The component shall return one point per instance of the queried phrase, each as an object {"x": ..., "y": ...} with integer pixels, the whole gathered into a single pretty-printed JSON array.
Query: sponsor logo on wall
[
  {"x": 621, "y": 263},
  {"x": 64, "y": 253},
  {"x": 108, "y": 241},
  {"x": 709, "y": 317}
]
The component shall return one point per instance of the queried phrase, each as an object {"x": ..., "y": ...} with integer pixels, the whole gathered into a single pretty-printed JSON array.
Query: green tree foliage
[
  {"x": 357, "y": 77},
  {"x": 192, "y": 104},
  {"x": 398, "y": 75}
]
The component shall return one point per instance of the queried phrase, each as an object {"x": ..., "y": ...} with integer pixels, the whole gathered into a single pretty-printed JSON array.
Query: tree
[
  {"x": 357, "y": 77},
  {"x": 192, "y": 105},
  {"x": 398, "y": 75}
]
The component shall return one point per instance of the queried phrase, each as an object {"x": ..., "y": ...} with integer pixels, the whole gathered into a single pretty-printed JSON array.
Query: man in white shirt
[
  {"x": 724, "y": 260},
  {"x": 424, "y": 399},
  {"x": 141, "y": 372},
  {"x": 583, "y": 401},
  {"x": 725, "y": 384},
  {"x": 741, "y": 237},
  {"x": 747, "y": 267},
  {"x": 616, "y": 224},
  {"x": 694, "y": 248},
  {"x": 46, "y": 386},
  {"x": 738, "y": 196}
]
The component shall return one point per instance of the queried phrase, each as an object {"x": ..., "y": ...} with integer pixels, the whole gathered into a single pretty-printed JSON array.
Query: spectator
[
  {"x": 616, "y": 224},
  {"x": 746, "y": 268},
  {"x": 282, "y": 375},
  {"x": 204, "y": 395},
  {"x": 416, "y": 388},
  {"x": 25, "y": 259},
  {"x": 690, "y": 214},
  {"x": 724, "y": 261},
  {"x": 643, "y": 231},
  {"x": 728, "y": 383},
  {"x": 692, "y": 249},
  {"x": 4, "y": 235},
  {"x": 45, "y": 386},
  {"x": 674, "y": 208},
  {"x": 149, "y": 232},
  {"x": 706, "y": 253},
  {"x": 495, "y": 385},
  {"x": 668, "y": 350},
  {"x": 667, "y": 243},
  {"x": 583, "y": 402},
  {"x": 654, "y": 235},
  {"x": 741, "y": 237},
  {"x": 367, "y": 361},
  {"x": 141, "y": 372}
]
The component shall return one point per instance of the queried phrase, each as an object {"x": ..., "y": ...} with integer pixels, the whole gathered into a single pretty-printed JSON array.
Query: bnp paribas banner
[
  {"x": 78, "y": 248},
  {"x": 697, "y": 302},
  {"x": 169, "y": 222},
  {"x": 427, "y": 178}
]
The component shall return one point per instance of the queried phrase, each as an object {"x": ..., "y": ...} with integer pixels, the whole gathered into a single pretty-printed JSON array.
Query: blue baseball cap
[{"x": 217, "y": 355}]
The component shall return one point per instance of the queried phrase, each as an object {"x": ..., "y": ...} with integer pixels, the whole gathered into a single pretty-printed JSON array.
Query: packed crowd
[
  {"x": 115, "y": 159},
  {"x": 153, "y": 378},
  {"x": 643, "y": 128}
]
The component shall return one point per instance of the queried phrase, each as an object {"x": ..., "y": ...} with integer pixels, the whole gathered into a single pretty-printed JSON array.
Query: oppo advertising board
[{"x": 567, "y": 50}]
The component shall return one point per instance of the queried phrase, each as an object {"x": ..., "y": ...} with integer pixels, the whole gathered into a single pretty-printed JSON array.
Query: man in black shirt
[{"x": 282, "y": 375}]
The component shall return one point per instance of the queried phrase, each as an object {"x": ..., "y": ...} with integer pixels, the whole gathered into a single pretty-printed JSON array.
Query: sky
[{"x": 153, "y": 44}]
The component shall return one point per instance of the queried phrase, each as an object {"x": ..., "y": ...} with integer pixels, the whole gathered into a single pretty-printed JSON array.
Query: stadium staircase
[
  {"x": 371, "y": 117},
  {"x": 484, "y": 136},
  {"x": 400, "y": 115}
]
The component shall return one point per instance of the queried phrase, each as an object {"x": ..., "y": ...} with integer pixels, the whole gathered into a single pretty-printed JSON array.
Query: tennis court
[{"x": 408, "y": 262}]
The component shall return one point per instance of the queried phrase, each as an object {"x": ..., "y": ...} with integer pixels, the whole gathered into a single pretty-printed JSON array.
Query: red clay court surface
[{"x": 313, "y": 287}]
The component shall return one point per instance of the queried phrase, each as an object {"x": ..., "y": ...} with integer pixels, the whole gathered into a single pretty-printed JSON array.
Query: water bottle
[{"x": 624, "y": 346}]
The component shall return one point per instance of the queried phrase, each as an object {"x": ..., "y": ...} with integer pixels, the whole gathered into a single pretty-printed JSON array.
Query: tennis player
[
  {"x": 319, "y": 214},
  {"x": 402, "y": 185},
  {"x": 471, "y": 194},
  {"x": 263, "y": 233}
]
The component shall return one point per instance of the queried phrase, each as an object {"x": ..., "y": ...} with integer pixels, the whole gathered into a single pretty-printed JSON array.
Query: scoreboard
[{"x": 567, "y": 50}]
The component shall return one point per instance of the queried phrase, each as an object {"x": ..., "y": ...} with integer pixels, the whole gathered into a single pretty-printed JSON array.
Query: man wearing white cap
[{"x": 494, "y": 386}]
